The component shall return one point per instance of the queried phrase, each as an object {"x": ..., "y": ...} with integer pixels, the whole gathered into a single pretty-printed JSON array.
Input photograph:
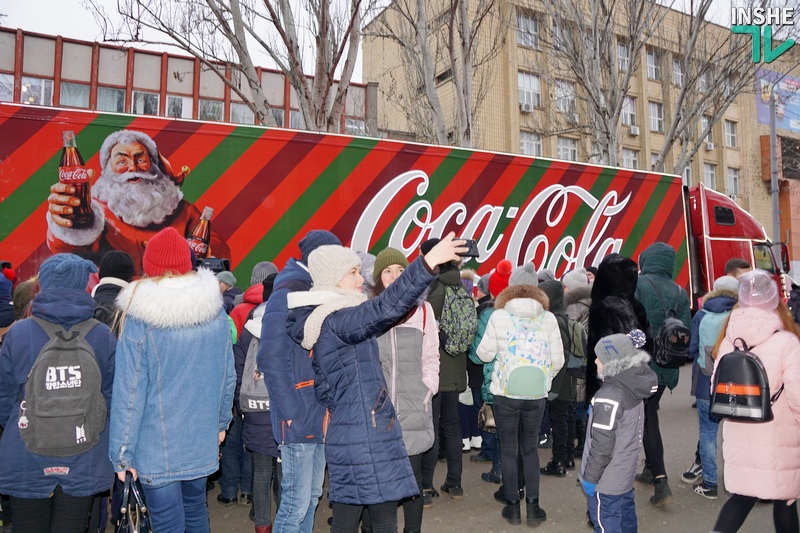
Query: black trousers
[
  {"x": 653, "y": 445},
  {"x": 562, "y": 421},
  {"x": 445, "y": 416},
  {"x": 518, "y": 430},
  {"x": 735, "y": 511},
  {"x": 382, "y": 517},
  {"x": 59, "y": 513}
]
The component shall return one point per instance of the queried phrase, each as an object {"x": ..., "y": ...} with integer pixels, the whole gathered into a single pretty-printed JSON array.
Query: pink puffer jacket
[{"x": 763, "y": 459}]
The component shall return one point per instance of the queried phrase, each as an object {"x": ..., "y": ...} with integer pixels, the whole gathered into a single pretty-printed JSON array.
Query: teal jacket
[
  {"x": 483, "y": 319},
  {"x": 657, "y": 266}
]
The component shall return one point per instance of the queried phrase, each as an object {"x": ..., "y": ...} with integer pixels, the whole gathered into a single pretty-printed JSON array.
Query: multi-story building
[
  {"x": 532, "y": 105},
  {"x": 47, "y": 70}
]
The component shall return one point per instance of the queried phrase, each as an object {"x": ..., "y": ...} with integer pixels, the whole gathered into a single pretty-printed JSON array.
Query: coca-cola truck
[{"x": 269, "y": 186}]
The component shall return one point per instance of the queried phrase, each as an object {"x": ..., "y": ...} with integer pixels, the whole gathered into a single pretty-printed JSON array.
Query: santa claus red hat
[{"x": 167, "y": 252}]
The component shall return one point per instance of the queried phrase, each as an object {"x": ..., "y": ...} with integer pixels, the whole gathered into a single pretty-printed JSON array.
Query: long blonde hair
[
  {"x": 120, "y": 314},
  {"x": 783, "y": 314}
]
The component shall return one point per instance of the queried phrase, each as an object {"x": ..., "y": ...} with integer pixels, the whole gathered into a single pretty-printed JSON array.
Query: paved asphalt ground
[{"x": 562, "y": 498}]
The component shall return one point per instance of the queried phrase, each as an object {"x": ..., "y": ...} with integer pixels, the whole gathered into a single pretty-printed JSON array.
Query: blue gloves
[{"x": 589, "y": 488}]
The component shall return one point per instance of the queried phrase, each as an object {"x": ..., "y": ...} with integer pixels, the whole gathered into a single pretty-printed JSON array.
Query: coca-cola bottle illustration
[
  {"x": 72, "y": 171},
  {"x": 200, "y": 235}
]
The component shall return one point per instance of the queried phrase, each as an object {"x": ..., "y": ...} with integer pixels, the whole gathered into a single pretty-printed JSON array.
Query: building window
[
  {"x": 705, "y": 125},
  {"x": 530, "y": 89},
  {"x": 730, "y": 134},
  {"x": 530, "y": 144},
  {"x": 567, "y": 149},
  {"x": 630, "y": 158},
  {"x": 733, "y": 181},
  {"x": 277, "y": 114},
  {"x": 296, "y": 120},
  {"x": 355, "y": 126},
  {"x": 527, "y": 30},
  {"x": 657, "y": 117},
  {"x": 145, "y": 103},
  {"x": 653, "y": 65},
  {"x": 36, "y": 91},
  {"x": 561, "y": 36},
  {"x": 565, "y": 96},
  {"x": 677, "y": 72},
  {"x": 179, "y": 106},
  {"x": 653, "y": 159},
  {"x": 109, "y": 99},
  {"x": 687, "y": 176},
  {"x": 702, "y": 82},
  {"x": 629, "y": 111},
  {"x": 242, "y": 114},
  {"x": 210, "y": 110},
  {"x": 6, "y": 87},
  {"x": 623, "y": 56},
  {"x": 74, "y": 95},
  {"x": 710, "y": 175}
]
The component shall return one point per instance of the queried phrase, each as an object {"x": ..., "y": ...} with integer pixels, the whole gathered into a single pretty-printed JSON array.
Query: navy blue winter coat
[
  {"x": 367, "y": 460},
  {"x": 22, "y": 473},
  {"x": 287, "y": 366}
]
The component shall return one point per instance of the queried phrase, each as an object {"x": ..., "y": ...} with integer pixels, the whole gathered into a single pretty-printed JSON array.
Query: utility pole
[{"x": 773, "y": 167}]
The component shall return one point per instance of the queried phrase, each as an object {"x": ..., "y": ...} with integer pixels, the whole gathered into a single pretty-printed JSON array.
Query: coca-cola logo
[
  {"x": 200, "y": 248},
  {"x": 552, "y": 203},
  {"x": 73, "y": 175}
]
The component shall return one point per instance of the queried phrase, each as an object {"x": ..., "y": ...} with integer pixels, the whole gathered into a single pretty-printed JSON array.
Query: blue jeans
[
  {"x": 235, "y": 463},
  {"x": 303, "y": 470},
  {"x": 708, "y": 442},
  {"x": 613, "y": 514},
  {"x": 178, "y": 507}
]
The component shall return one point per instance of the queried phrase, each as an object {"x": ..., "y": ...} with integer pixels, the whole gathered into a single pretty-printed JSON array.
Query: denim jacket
[{"x": 174, "y": 380}]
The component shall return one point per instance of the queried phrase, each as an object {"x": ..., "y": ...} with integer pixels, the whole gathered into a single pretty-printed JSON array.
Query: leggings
[
  {"x": 653, "y": 445},
  {"x": 735, "y": 511},
  {"x": 59, "y": 513}
]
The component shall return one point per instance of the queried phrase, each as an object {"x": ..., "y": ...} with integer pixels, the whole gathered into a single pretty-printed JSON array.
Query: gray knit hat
[
  {"x": 227, "y": 277},
  {"x": 483, "y": 284},
  {"x": 261, "y": 271},
  {"x": 330, "y": 263},
  {"x": 546, "y": 274},
  {"x": 524, "y": 275},
  {"x": 620, "y": 352},
  {"x": 575, "y": 279},
  {"x": 727, "y": 283}
]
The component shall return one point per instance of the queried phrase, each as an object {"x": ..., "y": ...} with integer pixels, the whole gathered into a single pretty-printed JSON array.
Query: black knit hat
[
  {"x": 427, "y": 245},
  {"x": 313, "y": 240},
  {"x": 116, "y": 264}
]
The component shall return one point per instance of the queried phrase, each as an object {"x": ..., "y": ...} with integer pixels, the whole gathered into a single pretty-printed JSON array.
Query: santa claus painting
[{"x": 135, "y": 197}]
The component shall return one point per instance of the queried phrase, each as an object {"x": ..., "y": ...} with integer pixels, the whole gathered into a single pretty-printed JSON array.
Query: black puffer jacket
[{"x": 613, "y": 310}]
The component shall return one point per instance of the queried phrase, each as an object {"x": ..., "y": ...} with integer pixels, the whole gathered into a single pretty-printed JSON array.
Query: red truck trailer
[{"x": 269, "y": 186}]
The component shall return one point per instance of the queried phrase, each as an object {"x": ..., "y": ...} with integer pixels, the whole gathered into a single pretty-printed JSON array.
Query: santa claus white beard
[{"x": 149, "y": 201}]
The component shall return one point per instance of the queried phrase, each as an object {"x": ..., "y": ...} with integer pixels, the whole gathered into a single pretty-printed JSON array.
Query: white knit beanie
[
  {"x": 575, "y": 279},
  {"x": 329, "y": 264}
]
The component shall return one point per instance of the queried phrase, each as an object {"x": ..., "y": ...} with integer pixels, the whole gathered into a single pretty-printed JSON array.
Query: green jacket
[
  {"x": 657, "y": 265},
  {"x": 483, "y": 319},
  {"x": 452, "y": 369}
]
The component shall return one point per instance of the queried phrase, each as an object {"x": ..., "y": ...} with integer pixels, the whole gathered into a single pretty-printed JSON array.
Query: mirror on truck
[{"x": 785, "y": 263}]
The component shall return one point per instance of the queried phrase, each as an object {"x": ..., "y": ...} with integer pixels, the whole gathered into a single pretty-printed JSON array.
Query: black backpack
[
  {"x": 63, "y": 411},
  {"x": 740, "y": 390},
  {"x": 671, "y": 342}
]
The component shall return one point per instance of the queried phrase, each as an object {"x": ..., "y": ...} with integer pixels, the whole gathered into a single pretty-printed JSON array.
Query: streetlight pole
[{"x": 773, "y": 167}]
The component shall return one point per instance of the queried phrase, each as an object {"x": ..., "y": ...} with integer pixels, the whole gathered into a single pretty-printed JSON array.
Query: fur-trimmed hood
[
  {"x": 720, "y": 292},
  {"x": 581, "y": 294},
  {"x": 521, "y": 291},
  {"x": 173, "y": 302},
  {"x": 619, "y": 365}
]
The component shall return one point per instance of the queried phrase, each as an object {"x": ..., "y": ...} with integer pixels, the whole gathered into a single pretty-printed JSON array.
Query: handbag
[
  {"x": 133, "y": 517},
  {"x": 486, "y": 419}
]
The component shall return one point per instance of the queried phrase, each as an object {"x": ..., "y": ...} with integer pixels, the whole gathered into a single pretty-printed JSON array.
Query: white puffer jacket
[{"x": 520, "y": 302}]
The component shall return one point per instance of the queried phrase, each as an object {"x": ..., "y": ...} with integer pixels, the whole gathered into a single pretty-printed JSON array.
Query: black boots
[
  {"x": 554, "y": 468},
  {"x": 580, "y": 434},
  {"x": 511, "y": 513},
  {"x": 535, "y": 514},
  {"x": 663, "y": 494}
]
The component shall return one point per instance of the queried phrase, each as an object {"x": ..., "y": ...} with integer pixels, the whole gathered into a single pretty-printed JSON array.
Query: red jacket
[{"x": 253, "y": 297}]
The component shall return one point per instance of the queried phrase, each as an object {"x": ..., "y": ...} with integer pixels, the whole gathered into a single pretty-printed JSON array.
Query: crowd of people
[{"x": 374, "y": 369}]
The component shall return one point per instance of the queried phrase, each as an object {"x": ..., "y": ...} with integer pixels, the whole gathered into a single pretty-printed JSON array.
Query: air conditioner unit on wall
[
  {"x": 525, "y": 107},
  {"x": 709, "y": 147},
  {"x": 634, "y": 130}
]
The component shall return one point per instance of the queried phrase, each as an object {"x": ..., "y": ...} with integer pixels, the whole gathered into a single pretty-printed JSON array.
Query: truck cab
[{"x": 718, "y": 229}]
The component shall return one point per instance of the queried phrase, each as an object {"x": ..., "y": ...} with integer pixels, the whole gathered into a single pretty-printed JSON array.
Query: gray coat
[
  {"x": 409, "y": 354},
  {"x": 616, "y": 423}
]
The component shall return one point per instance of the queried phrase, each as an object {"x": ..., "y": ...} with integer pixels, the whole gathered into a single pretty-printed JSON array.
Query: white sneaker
[
  {"x": 475, "y": 442},
  {"x": 465, "y": 447}
]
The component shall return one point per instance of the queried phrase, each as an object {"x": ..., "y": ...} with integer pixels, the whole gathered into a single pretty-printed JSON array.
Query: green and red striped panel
[{"x": 268, "y": 187}]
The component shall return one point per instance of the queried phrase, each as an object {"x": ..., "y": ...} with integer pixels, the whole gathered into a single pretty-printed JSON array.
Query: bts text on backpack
[
  {"x": 63, "y": 411},
  {"x": 253, "y": 394},
  {"x": 458, "y": 322}
]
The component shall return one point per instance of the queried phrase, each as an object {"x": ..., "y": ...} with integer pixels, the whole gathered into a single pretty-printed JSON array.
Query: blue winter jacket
[
  {"x": 701, "y": 384},
  {"x": 287, "y": 365},
  {"x": 174, "y": 381},
  {"x": 367, "y": 460},
  {"x": 31, "y": 476}
]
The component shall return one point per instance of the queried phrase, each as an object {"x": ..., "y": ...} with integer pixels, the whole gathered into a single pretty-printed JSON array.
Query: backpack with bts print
[
  {"x": 458, "y": 322},
  {"x": 526, "y": 365},
  {"x": 253, "y": 394},
  {"x": 63, "y": 411},
  {"x": 711, "y": 325},
  {"x": 671, "y": 342},
  {"x": 740, "y": 390}
]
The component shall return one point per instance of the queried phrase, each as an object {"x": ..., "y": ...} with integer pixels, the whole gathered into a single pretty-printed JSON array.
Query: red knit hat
[
  {"x": 499, "y": 278},
  {"x": 167, "y": 252}
]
